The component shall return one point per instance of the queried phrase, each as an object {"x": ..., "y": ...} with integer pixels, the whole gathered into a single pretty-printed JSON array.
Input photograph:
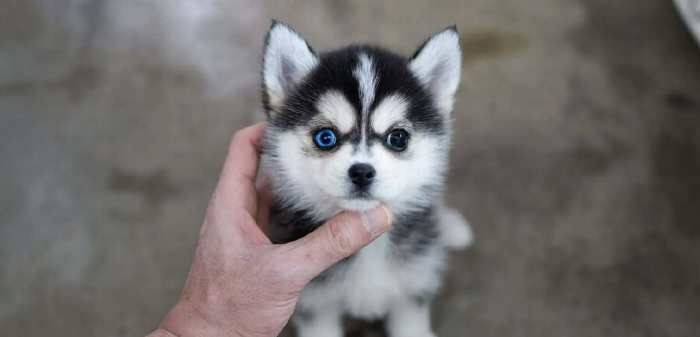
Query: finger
[
  {"x": 340, "y": 237},
  {"x": 241, "y": 165},
  {"x": 264, "y": 203},
  {"x": 244, "y": 150}
]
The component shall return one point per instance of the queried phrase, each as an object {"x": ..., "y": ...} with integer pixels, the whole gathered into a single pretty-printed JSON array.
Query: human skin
[{"x": 242, "y": 285}]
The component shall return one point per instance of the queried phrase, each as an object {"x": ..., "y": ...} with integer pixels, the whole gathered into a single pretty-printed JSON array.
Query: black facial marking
[
  {"x": 354, "y": 137},
  {"x": 336, "y": 72},
  {"x": 374, "y": 138},
  {"x": 411, "y": 234},
  {"x": 396, "y": 78}
]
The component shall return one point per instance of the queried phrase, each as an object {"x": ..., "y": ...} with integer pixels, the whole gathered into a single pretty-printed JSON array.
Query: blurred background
[{"x": 576, "y": 158}]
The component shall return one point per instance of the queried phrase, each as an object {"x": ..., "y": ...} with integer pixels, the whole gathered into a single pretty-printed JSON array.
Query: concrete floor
[{"x": 577, "y": 156}]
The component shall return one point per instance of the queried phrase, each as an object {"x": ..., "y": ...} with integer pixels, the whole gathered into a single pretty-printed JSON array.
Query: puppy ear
[
  {"x": 438, "y": 66},
  {"x": 287, "y": 59}
]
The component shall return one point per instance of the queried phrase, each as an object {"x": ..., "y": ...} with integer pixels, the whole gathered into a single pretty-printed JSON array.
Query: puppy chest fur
[
  {"x": 404, "y": 264},
  {"x": 373, "y": 281},
  {"x": 347, "y": 130}
]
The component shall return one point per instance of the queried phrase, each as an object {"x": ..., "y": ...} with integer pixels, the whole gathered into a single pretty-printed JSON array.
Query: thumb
[{"x": 341, "y": 236}]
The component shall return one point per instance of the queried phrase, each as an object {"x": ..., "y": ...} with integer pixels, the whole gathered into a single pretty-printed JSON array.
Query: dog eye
[
  {"x": 325, "y": 138},
  {"x": 397, "y": 140}
]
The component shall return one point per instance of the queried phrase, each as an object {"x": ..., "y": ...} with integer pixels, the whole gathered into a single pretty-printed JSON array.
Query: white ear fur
[
  {"x": 287, "y": 59},
  {"x": 438, "y": 65}
]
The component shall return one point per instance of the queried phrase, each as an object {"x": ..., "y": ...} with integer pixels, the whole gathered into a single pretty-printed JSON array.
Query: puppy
[{"x": 348, "y": 129}]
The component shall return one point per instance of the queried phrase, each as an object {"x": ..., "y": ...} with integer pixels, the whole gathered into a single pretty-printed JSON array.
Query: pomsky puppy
[{"x": 348, "y": 129}]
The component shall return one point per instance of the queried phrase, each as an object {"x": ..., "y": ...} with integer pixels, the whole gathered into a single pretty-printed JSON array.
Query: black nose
[{"x": 361, "y": 174}]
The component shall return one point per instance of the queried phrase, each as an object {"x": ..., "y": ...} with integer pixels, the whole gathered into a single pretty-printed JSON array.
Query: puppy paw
[{"x": 456, "y": 232}]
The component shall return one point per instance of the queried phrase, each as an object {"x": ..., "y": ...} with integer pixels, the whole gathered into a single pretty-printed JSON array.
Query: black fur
[
  {"x": 411, "y": 244},
  {"x": 411, "y": 234},
  {"x": 290, "y": 225},
  {"x": 335, "y": 72}
]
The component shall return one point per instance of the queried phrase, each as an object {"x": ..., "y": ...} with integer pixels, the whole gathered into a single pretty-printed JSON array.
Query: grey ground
[{"x": 577, "y": 156}]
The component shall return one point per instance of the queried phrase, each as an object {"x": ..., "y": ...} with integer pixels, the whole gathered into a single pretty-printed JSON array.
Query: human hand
[{"x": 242, "y": 285}]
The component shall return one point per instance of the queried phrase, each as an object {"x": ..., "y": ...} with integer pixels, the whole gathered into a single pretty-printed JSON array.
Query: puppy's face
[{"x": 354, "y": 127}]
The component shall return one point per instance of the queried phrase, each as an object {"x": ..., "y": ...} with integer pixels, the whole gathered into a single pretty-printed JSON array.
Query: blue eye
[{"x": 325, "y": 138}]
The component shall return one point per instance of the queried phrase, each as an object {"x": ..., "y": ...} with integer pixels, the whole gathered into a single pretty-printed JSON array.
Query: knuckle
[{"x": 341, "y": 240}]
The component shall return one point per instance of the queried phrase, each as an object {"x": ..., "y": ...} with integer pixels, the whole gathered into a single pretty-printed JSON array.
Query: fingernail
[{"x": 377, "y": 220}]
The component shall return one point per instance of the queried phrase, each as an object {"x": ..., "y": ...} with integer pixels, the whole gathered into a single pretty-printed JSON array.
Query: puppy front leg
[
  {"x": 318, "y": 323},
  {"x": 410, "y": 318}
]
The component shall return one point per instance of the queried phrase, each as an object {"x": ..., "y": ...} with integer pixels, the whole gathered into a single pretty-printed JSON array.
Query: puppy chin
[{"x": 358, "y": 205}]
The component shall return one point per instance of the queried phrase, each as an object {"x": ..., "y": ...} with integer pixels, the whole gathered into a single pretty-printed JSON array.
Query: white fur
[
  {"x": 334, "y": 107},
  {"x": 286, "y": 60},
  {"x": 302, "y": 181},
  {"x": 398, "y": 181},
  {"x": 406, "y": 319},
  {"x": 323, "y": 184},
  {"x": 455, "y": 231},
  {"x": 389, "y": 111},
  {"x": 376, "y": 283},
  {"x": 375, "y": 286},
  {"x": 308, "y": 181},
  {"x": 439, "y": 67},
  {"x": 367, "y": 79}
]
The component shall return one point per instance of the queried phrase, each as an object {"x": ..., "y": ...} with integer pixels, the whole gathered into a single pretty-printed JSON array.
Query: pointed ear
[
  {"x": 287, "y": 59},
  {"x": 438, "y": 66}
]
